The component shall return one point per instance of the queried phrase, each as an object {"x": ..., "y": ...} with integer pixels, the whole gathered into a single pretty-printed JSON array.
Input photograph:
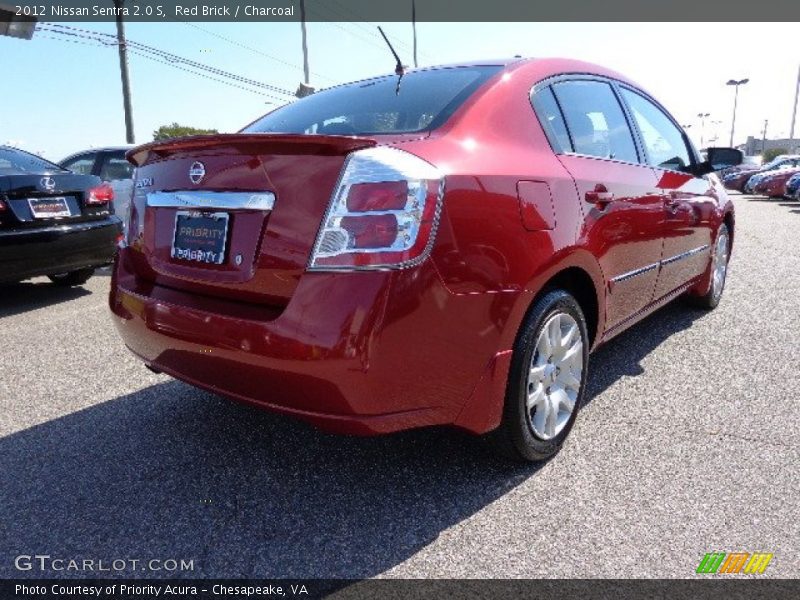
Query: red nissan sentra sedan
[{"x": 372, "y": 259}]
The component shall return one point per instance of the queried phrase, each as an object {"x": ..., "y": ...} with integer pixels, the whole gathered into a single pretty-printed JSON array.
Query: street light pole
[
  {"x": 703, "y": 127},
  {"x": 123, "y": 72},
  {"x": 794, "y": 108},
  {"x": 764, "y": 138},
  {"x": 735, "y": 83}
]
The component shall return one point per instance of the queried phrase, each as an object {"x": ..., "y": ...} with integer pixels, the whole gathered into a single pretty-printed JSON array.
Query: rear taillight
[
  {"x": 102, "y": 194},
  {"x": 383, "y": 213},
  {"x": 2, "y": 206}
]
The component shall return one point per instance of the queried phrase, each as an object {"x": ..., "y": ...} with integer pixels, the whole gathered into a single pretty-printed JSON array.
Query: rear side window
[
  {"x": 115, "y": 167},
  {"x": 82, "y": 165},
  {"x": 595, "y": 120},
  {"x": 425, "y": 101},
  {"x": 17, "y": 161},
  {"x": 546, "y": 107},
  {"x": 666, "y": 148}
]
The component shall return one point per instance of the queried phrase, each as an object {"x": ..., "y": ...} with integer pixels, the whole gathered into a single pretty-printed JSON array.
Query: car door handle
[
  {"x": 599, "y": 196},
  {"x": 673, "y": 202}
]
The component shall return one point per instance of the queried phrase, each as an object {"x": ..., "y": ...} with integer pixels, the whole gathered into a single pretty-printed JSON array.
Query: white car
[{"x": 110, "y": 165}]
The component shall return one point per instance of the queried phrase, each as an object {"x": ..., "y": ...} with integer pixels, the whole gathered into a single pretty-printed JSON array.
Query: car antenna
[{"x": 399, "y": 69}]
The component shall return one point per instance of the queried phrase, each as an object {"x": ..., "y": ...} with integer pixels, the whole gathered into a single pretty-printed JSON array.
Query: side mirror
[{"x": 718, "y": 159}]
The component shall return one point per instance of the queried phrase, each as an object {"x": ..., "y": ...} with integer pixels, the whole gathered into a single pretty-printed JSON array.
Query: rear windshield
[
  {"x": 17, "y": 161},
  {"x": 425, "y": 101}
]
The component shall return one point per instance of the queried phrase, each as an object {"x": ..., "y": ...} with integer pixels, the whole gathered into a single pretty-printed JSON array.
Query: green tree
[
  {"x": 175, "y": 130},
  {"x": 772, "y": 153}
]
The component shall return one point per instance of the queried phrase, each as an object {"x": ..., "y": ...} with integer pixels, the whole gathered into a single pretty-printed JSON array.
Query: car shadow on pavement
[
  {"x": 622, "y": 356},
  {"x": 171, "y": 472},
  {"x": 17, "y": 298}
]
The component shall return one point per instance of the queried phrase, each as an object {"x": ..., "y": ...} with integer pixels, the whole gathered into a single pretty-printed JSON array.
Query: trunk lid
[
  {"x": 30, "y": 197},
  {"x": 254, "y": 202}
]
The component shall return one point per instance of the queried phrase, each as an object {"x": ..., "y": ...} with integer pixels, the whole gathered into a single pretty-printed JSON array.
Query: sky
[{"x": 61, "y": 97}]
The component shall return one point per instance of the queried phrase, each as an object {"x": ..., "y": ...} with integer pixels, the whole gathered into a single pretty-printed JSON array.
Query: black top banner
[{"x": 399, "y": 10}]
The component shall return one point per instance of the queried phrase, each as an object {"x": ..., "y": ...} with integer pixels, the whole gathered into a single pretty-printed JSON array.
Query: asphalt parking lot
[{"x": 689, "y": 443}]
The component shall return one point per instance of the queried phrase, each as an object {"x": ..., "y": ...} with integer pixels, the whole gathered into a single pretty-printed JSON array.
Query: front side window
[
  {"x": 663, "y": 140},
  {"x": 596, "y": 123}
]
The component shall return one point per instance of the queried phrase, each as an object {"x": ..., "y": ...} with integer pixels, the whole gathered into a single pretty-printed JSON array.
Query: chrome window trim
[
  {"x": 549, "y": 81},
  {"x": 212, "y": 200}
]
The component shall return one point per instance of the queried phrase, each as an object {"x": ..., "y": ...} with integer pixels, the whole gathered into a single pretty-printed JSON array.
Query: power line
[
  {"x": 341, "y": 12},
  {"x": 166, "y": 57},
  {"x": 256, "y": 51},
  {"x": 204, "y": 76}
]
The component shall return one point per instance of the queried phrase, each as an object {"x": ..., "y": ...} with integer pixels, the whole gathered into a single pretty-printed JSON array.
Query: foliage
[
  {"x": 772, "y": 153},
  {"x": 175, "y": 130}
]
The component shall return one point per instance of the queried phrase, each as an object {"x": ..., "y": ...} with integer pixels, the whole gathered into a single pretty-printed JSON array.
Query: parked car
[
  {"x": 53, "y": 222},
  {"x": 773, "y": 183},
  {"x": 373, "y": 258},
  {"x": 787, "y": 165},
  {"x": 739, "y": 180},
  {"x": 793, "y": 187},
  {"x": 110, "y": 165},
  {"x": 749, "y": 163}
]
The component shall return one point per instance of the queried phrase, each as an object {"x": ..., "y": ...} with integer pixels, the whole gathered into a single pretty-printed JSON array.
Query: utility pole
[
  {"x": 794, "y": 108},
  {"x": 123, "y": 71},
  {"x": 414, "y": 27},
  {"x": 305, "y": 88},
  {"x": 764, "y": 137},
  {"x": 305, "y": 40}
]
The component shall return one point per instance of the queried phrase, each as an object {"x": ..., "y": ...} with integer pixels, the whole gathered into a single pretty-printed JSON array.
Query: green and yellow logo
[{"x": 734, "y": 562}]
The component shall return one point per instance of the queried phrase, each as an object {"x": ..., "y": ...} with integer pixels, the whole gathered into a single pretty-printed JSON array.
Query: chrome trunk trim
[{"x": 212, "y": 200}]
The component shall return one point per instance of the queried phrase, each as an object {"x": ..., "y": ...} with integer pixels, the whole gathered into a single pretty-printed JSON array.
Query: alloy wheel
[
  {"x": 555, "y": 375},
  {"x": 721, "y": 253}
]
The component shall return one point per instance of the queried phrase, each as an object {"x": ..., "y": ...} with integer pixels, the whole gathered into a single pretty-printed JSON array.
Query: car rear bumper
[
  {"x": 26, "y": 253},
  {"x": 359, "y": 353}
]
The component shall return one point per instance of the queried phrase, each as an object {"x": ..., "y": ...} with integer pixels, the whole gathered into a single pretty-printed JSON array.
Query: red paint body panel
[{"x": 369, "y": 352}]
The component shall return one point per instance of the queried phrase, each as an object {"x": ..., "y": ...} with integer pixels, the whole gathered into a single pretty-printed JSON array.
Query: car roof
[
  {"x": 538, "y": 68},
  {"x": 99, "y": 149}
]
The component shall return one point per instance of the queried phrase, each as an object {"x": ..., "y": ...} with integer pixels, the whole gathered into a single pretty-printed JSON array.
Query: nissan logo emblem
[
  {"x": 196, "y": 172},
  {"x": 48, "y": 183}
]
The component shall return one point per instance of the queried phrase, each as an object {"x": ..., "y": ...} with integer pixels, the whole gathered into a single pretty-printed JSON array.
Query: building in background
[{"x": 755, "y": 145}]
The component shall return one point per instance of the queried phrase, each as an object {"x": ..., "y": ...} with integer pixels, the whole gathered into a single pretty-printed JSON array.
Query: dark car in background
[
  {"x": 792, "y": 190},
  {"x": 53, "y": 222}
]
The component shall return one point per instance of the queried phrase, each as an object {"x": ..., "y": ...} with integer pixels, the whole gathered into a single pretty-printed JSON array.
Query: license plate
[
  {"x": 200, "y": 237},
  {"x": 48, "y": 208}
]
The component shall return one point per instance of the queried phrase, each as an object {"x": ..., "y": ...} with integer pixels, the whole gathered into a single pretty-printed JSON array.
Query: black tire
[
  {"x": 710, "y": 300},
  {"x": 72, "y": 278},
  {"x": 515, "y": 438}
]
